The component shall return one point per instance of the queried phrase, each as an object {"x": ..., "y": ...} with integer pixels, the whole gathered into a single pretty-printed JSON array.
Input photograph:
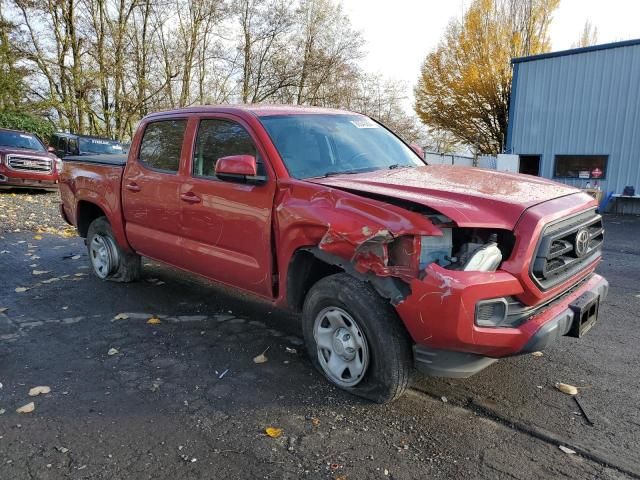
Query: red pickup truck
[
  {"x": 392, "y": 263},
  {"x": 25, "y": 162}
]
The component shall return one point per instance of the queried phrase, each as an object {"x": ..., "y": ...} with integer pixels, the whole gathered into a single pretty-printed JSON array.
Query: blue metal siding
[{"x": 583, "y": 103}]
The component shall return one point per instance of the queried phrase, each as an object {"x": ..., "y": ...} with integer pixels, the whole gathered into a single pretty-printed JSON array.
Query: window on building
[
  {"x": 162, "y": 143},
  {"x": 217, "y": 139},
  {"x": 580, "y": 166}
]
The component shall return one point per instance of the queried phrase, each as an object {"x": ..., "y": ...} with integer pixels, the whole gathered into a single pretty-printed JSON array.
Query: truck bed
[{"x": 118, "y": 160}]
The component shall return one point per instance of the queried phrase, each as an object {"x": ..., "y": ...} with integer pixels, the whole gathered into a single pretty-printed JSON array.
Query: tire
[
  {"x": 108, "y": 260},
  {"x": 382, "y": 362}
]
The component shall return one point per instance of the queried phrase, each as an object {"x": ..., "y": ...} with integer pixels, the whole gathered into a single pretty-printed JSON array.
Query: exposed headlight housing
[{"x": 436, "y": 249}]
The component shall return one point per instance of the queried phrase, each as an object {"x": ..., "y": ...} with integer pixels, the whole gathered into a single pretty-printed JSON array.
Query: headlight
[{"x": 59, "y": 164}]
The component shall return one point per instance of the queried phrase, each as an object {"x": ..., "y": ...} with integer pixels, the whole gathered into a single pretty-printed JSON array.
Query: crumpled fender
[{"x": 347, "y": 226}]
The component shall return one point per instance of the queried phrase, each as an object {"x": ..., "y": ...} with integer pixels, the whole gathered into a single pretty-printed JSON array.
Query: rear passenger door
[
  {"x": 151, "y": 191},
  {"x": 226, "y": 224}
]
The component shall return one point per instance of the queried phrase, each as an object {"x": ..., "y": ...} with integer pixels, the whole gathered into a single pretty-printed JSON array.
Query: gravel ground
[
  {"x": 31, "y": 210},
  {"x": 183, "y": 398}
]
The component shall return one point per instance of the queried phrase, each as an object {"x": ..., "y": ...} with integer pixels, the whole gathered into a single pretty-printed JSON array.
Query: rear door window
[{"x": 162, "y": 144}]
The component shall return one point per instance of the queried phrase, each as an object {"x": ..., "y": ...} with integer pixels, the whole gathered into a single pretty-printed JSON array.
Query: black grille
[
  {"x": 29, "y": 164},
  {"x": 557, "y": 257}
]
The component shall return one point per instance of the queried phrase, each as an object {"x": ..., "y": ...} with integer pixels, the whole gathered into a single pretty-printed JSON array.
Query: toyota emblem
[{"x": 582, "y": 242}]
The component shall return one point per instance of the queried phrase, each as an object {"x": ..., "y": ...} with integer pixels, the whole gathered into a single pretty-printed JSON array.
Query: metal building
[{"x": 575, "y": 116}]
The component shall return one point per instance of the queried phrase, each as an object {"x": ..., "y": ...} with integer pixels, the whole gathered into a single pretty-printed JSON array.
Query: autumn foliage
[{"x": 465, "y": 84}]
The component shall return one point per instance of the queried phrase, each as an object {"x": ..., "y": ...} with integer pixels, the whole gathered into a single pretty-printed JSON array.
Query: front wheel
[
  {"x": 108, "y": 260},
  {"x": 354, "y": 337}
]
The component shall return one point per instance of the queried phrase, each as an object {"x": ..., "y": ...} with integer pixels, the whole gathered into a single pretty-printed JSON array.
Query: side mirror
[
  {"x": 239, "y": 168},
  {"x": 50, "y": 149}
]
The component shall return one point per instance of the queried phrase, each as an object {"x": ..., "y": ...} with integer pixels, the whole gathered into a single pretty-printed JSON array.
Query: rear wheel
[
  {"x": 354, "y": 337},
  {"x": 108, "y": 260}
]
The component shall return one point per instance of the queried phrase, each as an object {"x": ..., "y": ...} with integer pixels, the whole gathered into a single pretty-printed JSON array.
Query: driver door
[{"x": 226, "y": 225}]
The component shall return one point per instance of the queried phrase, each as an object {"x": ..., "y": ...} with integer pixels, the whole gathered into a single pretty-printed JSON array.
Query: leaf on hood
[
  {"x": 154, "y": 321},
  {"x": 273, "y": 432},
  {"x": 51, "y": 280},
  {"x": 121, "y": 316},
  {"x": 37, "y": 237},
  {"x": 21, "y": 289},
  {"x": 40, "y": 272},
  {"x": 75, "y": 257},
  {"x": 3, "y": 309}
]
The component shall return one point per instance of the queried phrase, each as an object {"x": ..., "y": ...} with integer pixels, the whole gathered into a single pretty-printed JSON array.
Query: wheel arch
[{"x": 304, "y": 271}]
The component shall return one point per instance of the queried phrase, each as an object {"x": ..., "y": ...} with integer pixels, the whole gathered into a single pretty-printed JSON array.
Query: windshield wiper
[
  {"x": 346, "y": 172},
  {"x": 397, "y": 165}
]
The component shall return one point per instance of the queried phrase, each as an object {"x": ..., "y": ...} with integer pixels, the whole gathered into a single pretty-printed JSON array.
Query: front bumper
[
  {"x": 13, "y": 179},
  {"x": 440, "y": 316}
]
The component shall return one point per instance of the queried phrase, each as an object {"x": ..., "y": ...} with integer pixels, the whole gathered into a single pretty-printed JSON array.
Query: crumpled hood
[{"x": 472, "y": 197}]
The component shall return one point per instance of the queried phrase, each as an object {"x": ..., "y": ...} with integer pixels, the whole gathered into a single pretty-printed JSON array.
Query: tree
[
  {"x": 588, "y": 36},
  {"x": 12, "y": 86},
  {"x": 465, "y": 84}
]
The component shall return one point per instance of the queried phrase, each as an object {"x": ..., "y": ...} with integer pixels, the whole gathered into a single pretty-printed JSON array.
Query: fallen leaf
[
  {"x": 273, "y": 432},
  {"x": 37, "y": 237},
  {"x": 262, "y": 358},
  {"x": 112, "y": 351},
  {"x": 21, "y": 289},
  {"x": 121, "y": 316},
  {"x": 566, "y": 449},
  {"x": 79, "y": 274},
  {"x": 291, "y": 350},
  {"x": 28, "y": 408},
  {"x": 568, "y": 389},
  {"x": 537, "y": 354},
  {"x": 75, "y": 257},
  {"x": 315, "y": 422},
  {"x": 40, "y": 272},
  {"x": 62, "y": 449},
  {"x": 35, "y": 391},
  {"x": 154, "y": 321}
]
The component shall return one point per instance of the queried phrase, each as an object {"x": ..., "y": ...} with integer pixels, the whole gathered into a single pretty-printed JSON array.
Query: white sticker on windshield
[
  {"x": 116, "y": 147},
  {"x": 100, "y": 142},
  {"x": 365, "y": 122}
]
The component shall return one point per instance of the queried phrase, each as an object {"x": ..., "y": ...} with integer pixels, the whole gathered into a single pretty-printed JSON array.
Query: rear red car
[{"x": 25, "y": 162}]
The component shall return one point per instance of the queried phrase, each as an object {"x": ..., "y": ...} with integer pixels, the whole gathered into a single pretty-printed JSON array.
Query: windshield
[
  {"x": 90, "y": 146},
  {"x": 323, "y": 145},
  {"x": 21, "y": 140}
]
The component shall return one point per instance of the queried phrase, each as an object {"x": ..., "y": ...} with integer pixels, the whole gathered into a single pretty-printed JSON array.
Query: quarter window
[
  {"x": 162, "y": 143},
  {"x": 580, "y": 166},
  {"x": 221, "y": 138}
]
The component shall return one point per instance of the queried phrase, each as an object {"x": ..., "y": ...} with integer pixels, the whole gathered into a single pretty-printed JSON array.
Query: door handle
[
  {"x": 190, "y": 197},
  {"x": 133, "y": 186}
]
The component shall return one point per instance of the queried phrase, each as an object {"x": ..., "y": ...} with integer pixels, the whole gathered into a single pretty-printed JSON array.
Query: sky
[{"x": 400, "y": 33}]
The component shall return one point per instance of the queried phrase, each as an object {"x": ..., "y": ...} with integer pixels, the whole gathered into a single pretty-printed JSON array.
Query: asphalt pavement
[{"x": 157, "y": 379}]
